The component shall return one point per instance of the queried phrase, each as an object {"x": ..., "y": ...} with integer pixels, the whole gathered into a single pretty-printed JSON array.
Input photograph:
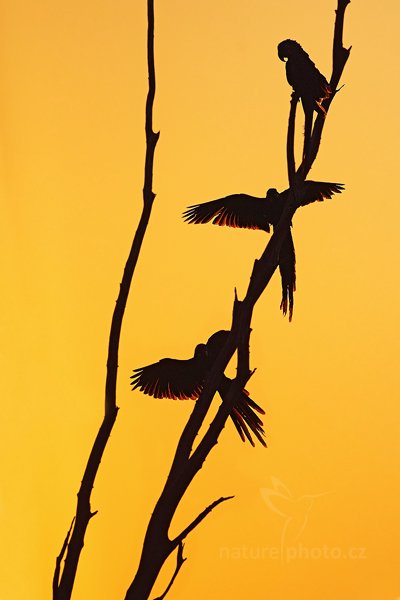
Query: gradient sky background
[{"x": 74, "y": 82}]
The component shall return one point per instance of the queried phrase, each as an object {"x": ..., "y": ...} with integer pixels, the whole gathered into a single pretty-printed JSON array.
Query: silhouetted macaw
[
  {"x": 308, "y": 83},
  {"x": 184, "y": 379},
  {"x": 250, "y": 212}
]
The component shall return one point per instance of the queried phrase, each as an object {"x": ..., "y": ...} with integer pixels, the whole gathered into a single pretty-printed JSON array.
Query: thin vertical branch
[
  {"x": 56, "y": 576},
  {"x": 63, "y": 586},
  {"x": 148, "y": 198},
  {"x": 290, "y": 140},
  {"x": 340, "y": 56}
]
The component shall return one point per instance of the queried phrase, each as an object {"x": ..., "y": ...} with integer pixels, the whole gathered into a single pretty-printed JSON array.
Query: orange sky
[{"x": 316, "y": 514}]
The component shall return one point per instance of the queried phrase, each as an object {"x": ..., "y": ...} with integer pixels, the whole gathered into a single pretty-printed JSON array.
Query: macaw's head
[
  {"x": 216, "y": 342},
  {"x": 287, "y": 49},
  {"x": 272, "y": 194},
  {"x": 200, "y": 351}
]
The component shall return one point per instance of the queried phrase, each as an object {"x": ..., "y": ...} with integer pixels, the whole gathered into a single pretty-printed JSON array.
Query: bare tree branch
[
  {"x": 187, "y": 462},
  {"x": 83, "y": 515},
  {"x": 340, "y": 54},
  {"x": 179, "y": 562}
]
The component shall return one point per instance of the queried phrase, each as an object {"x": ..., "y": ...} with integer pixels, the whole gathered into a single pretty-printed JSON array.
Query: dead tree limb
[
  {"x": 187, "y": 462},
  {"x": 63, "y": 585}
]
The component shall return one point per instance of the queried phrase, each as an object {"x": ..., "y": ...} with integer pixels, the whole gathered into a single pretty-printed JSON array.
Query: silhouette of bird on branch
[
  {"x": 184, "y": 379},
  {"x": 249, "y": 212},
  {"x": 307, "y": 82}
]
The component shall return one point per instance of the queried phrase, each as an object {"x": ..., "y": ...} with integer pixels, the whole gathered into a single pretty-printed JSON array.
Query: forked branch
[
  {"x": 179, "y": 562},
  {"x": 187, "y": 462}
]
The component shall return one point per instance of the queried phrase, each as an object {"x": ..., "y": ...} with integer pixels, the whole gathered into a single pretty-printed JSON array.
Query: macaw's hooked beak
[
  {"x": 284, "y": 49},
  {"x": 272, "y": 194},
  {"x": 201, "y": 351},
  {"x": 281, "y": 52}
]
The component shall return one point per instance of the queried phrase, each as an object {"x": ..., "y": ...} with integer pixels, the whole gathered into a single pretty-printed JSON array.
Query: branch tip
[{"x": 179, "y": 538}]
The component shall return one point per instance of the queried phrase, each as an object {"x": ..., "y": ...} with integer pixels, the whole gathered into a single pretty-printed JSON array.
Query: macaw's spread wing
[
  {"x": 236, "y": 210},
  {"x": 170, "y": 378},
  {"x": 317, "y": 191}
]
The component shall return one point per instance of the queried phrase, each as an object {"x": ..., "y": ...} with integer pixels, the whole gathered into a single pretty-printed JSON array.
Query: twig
[
  {"x": 179, "y": 538},
  {"x": 179, "y": 562},
  {"x": 178, "y": 541},
  {"x": 59, "y": 558}
]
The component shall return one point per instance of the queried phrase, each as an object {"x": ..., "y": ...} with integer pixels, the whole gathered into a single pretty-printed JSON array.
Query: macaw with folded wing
[{"x": 307, "y": 82}]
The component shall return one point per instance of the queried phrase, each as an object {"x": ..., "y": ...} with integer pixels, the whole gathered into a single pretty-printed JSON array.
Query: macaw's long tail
[
  {"x": 287, "y": 268},
  {"x": 243, "y": 415}
]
